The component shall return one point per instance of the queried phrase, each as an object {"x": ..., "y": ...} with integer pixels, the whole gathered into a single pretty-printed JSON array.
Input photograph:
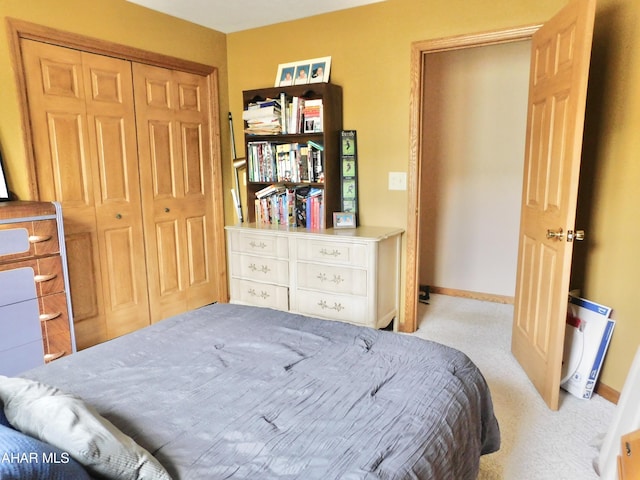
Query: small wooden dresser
[{"x": 36, "y": 324}]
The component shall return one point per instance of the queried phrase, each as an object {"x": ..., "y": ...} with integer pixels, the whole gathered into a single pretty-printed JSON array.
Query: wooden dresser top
[{"x": 20, "y": 208}]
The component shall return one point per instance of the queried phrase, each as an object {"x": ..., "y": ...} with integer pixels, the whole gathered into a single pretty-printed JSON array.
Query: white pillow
[{"x": 67, "y": 422}]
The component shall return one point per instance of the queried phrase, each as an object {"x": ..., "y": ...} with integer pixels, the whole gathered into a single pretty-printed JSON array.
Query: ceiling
[{"x": 229, "y": 16}]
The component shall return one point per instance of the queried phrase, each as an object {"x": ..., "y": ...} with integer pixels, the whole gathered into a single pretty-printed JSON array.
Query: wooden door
[
  {"x": 557, "y": 93},
  {"x": 176, "y": 185},
  {"x": 82, "y": 120},
  {"x": 112, "y": 136}
]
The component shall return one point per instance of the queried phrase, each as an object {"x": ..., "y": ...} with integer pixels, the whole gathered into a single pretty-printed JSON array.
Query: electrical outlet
[{"x": 397, "y": 180}]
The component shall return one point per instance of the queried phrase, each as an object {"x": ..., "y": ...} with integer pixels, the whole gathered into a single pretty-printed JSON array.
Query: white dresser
[{"x": 351, "y": 275}]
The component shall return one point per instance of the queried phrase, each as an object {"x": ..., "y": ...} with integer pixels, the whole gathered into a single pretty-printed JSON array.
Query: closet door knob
[
  {"x": 118, "y": 216},
  {"x": 167, "y": 209}
]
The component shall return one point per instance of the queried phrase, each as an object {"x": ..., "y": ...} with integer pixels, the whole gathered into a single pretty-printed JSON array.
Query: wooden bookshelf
[{"x": 328, "y": 138}]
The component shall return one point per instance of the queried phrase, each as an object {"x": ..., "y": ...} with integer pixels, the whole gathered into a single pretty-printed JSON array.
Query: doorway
[
  {"x": 473, "y": 143},
  {"x": 418, "y": 155}
]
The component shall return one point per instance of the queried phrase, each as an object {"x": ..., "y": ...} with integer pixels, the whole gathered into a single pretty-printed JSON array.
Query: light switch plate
[{"x": 397, "y": 180}]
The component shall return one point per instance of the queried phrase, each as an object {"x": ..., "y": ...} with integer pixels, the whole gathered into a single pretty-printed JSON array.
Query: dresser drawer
[
  {"x": 47, "y": 273},
  {"x": 259, "y": 244},
  {"x": 19, "y": 324},
  {"x": 17, "y": 285},
  {"x": 332, "y": 278},
  {"x": 262, "y": 269},
  {"x": 28, "y": 239},
  {"x": 352, "y": 309},
  {"x": 21, "y": 358},
  {"x": 341, "y": 253},
  {"x": 259, "y": 294}
]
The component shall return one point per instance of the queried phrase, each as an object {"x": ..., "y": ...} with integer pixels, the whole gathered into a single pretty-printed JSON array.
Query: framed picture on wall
[{"x": 4, "y": 188}]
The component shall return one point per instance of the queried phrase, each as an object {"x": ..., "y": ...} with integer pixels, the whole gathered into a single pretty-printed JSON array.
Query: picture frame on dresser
[{"x": 344, "y": 220}]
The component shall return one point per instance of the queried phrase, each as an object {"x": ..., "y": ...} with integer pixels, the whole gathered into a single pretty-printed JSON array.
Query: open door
[{"x": 560, "y": 56}]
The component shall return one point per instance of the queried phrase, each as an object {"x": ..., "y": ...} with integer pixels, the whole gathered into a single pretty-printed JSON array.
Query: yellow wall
[
  {"x": 370, "y": 49},
  {"x": 116, "y": 21}
]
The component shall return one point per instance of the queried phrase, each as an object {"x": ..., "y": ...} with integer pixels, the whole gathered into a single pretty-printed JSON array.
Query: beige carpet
[{"x": 536, "y": 442}]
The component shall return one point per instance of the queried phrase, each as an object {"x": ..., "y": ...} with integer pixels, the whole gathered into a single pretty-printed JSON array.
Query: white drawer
[
  {"x": 259, "y": 244},
  {"x": 262, "y": 269},
  {"x": 259, "y": 294},
  {"x": 332, "y": 278},
  {"x": 342, "y": 253},
  {"x": 345, "y": 308}
]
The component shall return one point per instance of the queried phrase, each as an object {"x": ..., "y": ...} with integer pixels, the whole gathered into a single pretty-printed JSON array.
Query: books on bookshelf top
[{"x": 287, "y": 115}]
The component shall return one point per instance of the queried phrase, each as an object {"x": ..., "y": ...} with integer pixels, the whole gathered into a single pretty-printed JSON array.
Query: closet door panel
[
  {"x": 161, "y": 187},
  {"x": 112, "y": 133},
  {"x": 192, "y": 115},
  {"x": 162, "y": 161},
  {"x": 64, "y": 170},
  {"x": 175, "y": 165}
]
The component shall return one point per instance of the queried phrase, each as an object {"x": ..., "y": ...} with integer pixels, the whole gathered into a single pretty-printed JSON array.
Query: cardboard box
[{"x": 587, "y": 337}]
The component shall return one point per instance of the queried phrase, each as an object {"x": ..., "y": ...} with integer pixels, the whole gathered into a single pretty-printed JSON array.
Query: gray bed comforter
[{"x": 234, "y": 392}]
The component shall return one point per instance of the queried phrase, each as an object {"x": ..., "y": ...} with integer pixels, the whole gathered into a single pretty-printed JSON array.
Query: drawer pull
[
  {"x": 337, "y": 279},
  {"x": 332, "y": 253},
  {"x": 264, "y": 268},
  {"x": 336, "y": 306},
  {"x": 257, "y": 245},
  {"x": 45, "y": 278},
  {"x": 45, "y": 317},
  {"x": 264, "y": 295},
  {"x": 39, "y": 238},
  {"x": 50, "y": 357}
]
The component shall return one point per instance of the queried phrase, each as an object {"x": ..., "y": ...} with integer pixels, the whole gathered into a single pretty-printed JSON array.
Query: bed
[{"x": 237, "y": 392}]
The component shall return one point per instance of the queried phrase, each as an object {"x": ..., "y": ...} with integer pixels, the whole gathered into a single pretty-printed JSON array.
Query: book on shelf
[
  {"x": 263, "y": 117},
  {"x": 285, "y": 162},
  {"x": 316, "y": 161},
  {"x": 291, "y": 115},
  {"x": 300, "y": 206},
  {"x": 312, "y": 116},
  {"x": 260, "y": 162}
]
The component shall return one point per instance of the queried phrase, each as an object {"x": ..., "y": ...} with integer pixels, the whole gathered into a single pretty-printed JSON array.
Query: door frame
[
  {"x": 416, "y": 123},
  {"x": 20, "y": 29}
]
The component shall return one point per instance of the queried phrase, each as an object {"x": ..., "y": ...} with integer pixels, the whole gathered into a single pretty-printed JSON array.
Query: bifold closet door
[
  {"x": 172, "y": 111},
  {"x": 82, "y": 117}
]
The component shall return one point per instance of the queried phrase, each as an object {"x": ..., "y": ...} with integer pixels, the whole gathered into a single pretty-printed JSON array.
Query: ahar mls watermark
[{"x": 35, "y": 457}]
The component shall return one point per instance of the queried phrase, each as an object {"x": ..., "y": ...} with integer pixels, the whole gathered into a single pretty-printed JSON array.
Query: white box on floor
[{"x": 587, "y": 337}]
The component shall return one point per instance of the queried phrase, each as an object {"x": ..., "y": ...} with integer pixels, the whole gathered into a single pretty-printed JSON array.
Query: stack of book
[
  {"x": 285, "y": 115},
  {"x": 263, "y": 118},
  {"x": 300, "y": 115},
  {"x": 300, "y": 206},
  {"x": 285, "y": 162}
]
